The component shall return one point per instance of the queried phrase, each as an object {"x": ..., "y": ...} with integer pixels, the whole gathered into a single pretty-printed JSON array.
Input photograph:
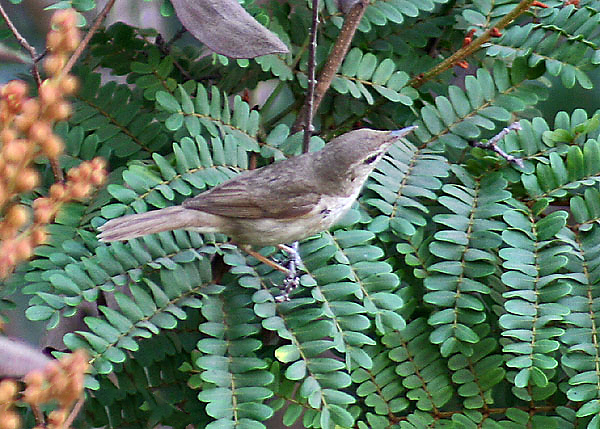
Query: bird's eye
[{"x": 371, "y": 159}]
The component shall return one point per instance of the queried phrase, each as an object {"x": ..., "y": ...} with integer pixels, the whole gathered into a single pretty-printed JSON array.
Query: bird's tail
[{"x": 136, "y": 225}]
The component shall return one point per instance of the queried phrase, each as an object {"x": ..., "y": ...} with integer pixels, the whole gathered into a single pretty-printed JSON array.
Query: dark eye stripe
[{"x": 371, "y": 159}]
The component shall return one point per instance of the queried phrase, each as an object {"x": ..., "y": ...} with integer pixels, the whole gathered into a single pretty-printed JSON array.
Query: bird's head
[{"x": 354, "y": 155}]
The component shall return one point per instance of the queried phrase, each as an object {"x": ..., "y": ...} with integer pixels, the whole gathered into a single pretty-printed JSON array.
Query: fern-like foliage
[{"x": 459, "y": 291}]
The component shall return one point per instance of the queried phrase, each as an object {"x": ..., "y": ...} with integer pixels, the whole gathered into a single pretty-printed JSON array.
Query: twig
[
  {"x": 312, "y": 48},
  {"x": 457, "y": 56},
  {"x": 38, "y": 415},
  {"x": 25, "y": 44},
  {"x": 34, "y": 69},
  {"x": 165, "y": 48},
  {"x": 469, "y": 49},
  {"x": 74, "y": 412},
  {"x": 178, "y": 35},
  {"x": 88, "y": 37},
  {"x": 56, "y": 170},
  {"x": 492, "y": 144},
  {"x": 338, "y": 53}
]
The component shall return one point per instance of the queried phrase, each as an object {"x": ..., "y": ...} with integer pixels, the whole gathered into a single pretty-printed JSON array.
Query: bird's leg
[
  {"x": 293, "y": 254},
  {"x": 265, "y": 260},
  {"x": 292, "y": 280}
]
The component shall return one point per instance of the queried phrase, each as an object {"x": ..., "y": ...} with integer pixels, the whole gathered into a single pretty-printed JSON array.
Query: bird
[{"x": 280, "y": 203}]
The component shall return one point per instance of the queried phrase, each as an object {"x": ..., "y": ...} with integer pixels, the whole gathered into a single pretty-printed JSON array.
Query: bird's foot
[
  {"x": 292, "y": 279},
  {"x": 290, "y": 268}
]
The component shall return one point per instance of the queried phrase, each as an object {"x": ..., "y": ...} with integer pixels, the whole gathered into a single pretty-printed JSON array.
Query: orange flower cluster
[
  {"x": 9, "y": 419},
  {"x": 26, "y": 132},
  {"x": 61, "y": 382}
]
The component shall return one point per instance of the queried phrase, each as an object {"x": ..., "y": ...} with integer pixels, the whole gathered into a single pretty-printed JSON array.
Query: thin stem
[
  {"x": 165, "y": 48},
  {"x": 469, "y": 49},
  {"x": 492, "y": 144},
  {"x": 176, "y": 36},
  {"x": 56, "y": 170},
  {"x": 449, "y": 62},
  {"x": 337, "y": 55},
  {"x": 74, "y": 412},
  {"x": 312, "y": 49},
  {"x": 24, "y": 43},
  {"x": 88, "y": 37}
]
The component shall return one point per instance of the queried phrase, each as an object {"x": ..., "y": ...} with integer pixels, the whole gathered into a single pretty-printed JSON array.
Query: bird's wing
[{"x": 254, "y": 198}]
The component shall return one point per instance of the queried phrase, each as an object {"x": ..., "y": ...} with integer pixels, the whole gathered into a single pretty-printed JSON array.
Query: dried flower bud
[
  {"x": 54, "y": 64},
  {"x": 16, "y": 216},
  {"x": 79, "y": 361},
  {"x": 8, "y": 390},
  {"x": 33, "y": 395},
  {"x": 52, "y": 146},
  {"x": 54, "y": 40},
  {"x": 98, "y": 177},
  {"x": 24, "y": 249},
  {"x": 98, "y": 163},
  {"x": 10, "y": 172},
  {"x": 57, "y": 417},
  {"x": 14, "y": 93},
  {"x": 31, "y": 108},
  {"x": 10, "y": 420},
  {"x": 23, "y": 122},
  {"x": 5, "y": 115},
  {"x": 80, "y": 190},
  {"x": 7, "y": 233},
  {"x": 14, "y": 88},
  {"x": 57, "y": 191},
  {"x": 74, "y": 174},
  {"x": 8, "y": 259},
  {"x": 64, "y": 18},
  {"x": 39, "y": 131},
  {"x": 61, "y": 111},
  {"x": 3, "y": 195},
  {"x": 71, "y": 40},
  {"x": 7, "y": 135},
  {"x": 14, "y": 151},
  {"x": 26, "y": 180},
  {"x": 58, "y": 381},
  {"x": 85, "y": 169},
  {"x": 69, "y": 85},
  {"x": 49, "y": 93},
  {"x": 43, "y": 209},
  {"x": 39, "y": 236}
]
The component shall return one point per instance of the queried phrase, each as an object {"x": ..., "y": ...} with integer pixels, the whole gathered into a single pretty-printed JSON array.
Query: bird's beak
[{"x": 404, "y": 131}]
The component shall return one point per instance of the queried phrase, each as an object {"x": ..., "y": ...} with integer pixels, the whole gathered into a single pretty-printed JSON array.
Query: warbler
[{"x": 280, "y": 203}]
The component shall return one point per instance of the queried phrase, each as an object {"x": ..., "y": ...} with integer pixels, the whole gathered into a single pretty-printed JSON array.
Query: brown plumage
[{"x": 280, "y": 203}]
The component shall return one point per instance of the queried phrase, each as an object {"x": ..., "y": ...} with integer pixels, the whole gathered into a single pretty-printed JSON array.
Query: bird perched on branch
[{"x": 280, "y": 203}]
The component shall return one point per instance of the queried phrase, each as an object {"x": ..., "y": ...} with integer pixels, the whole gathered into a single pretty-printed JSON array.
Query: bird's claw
[{"x": 292, "y": 280}]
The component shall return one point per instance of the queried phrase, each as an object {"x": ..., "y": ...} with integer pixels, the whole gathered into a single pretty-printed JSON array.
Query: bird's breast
[{"x": 271, "y": 231}]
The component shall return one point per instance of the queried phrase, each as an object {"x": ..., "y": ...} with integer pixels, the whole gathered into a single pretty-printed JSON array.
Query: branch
[
  {"x": 456, "y": 57},
  {"x": 312, "y": 64},
  {"x": 469, "y": 49},
  {"x": 25, "y": 44},
  {"x": 88, "y": 37},
  {"x": 492, "y": 144},
  {"x": 335, "y": 59},
  {"x": 74, "y": 412}
]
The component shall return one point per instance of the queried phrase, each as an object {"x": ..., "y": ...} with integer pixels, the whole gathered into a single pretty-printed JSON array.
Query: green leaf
[
  {"x": 296, "y": 371},
  {"x": 168, "y": 102}
]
